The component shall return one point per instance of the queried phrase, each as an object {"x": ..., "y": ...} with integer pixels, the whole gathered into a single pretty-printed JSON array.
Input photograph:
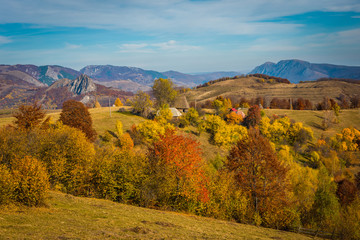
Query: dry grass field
[
  {"x": 69, "y": 217},
  {"x": 252, "y": 87}
]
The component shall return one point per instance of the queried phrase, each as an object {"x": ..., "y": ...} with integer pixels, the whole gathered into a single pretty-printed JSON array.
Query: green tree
[
  {"x": 325, "y": 209},
  {"x": 141, "y": 104},
  {"x": 29, "y": 116},
  {"x": 164, "y": 91},
  {"x": 76, "y": 115}
]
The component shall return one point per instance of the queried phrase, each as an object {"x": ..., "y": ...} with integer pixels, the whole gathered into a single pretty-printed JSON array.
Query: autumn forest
[{"x": 268, "y": 170}]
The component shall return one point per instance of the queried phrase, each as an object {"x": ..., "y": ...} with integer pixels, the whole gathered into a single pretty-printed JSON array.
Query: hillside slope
[
  {"x": 69, "y": 217},
  {"x": 252, "y": 87},
  {"x": 297, "y": 70}
]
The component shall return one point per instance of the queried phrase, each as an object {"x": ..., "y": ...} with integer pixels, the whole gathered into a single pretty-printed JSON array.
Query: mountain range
[
  {"x": 298, "y": 70},
  {"x": 121, "y": 77},
  {"x": 54, "y": 84}
]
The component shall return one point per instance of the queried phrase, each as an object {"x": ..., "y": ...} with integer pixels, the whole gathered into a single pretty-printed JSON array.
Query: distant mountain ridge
[
  {"x": 106, "y": 73},
  {"x": 121, "y": 77},
  {"x": 298, "y": 70},
  {"x": 47, "y": 74}
]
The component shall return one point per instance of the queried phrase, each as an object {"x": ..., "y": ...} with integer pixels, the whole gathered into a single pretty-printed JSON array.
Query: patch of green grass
[
  {"x": 102, "y": 121},
  {"x": 68, "y": 217}
]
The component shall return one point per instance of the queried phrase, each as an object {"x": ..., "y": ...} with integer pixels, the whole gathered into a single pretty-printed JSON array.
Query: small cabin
[{"x": 181, "y": 104}]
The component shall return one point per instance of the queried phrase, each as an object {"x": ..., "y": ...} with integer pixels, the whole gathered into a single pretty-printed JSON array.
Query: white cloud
[
  {"x": 4, "y": 40},
  {"x": 172, "y": 16},
  {"x": 170, "y": 45},
  {"x": 347, "y": 39}
]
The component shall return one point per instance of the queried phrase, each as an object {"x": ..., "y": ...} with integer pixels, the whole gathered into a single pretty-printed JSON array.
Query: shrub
[
  {"x": 150, "y": 130},
  {"x": 164, "y": 114},
  {"x": 190, "y": 118},
  {"x": 234, "y": 118},
  {"x": 126, "y": 142},
  {"x": 31, "y": 181},
  {"x": 66, "y": 154},
  {"x": 6, "y": 185},
  {"x": 228, "y": 135},
  {"x": 29, "y": 116},
  {"x": 213, "y": 123}
]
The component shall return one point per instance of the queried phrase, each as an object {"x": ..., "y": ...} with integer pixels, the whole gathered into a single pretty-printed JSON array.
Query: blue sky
[{"x": 182, "y": 35}]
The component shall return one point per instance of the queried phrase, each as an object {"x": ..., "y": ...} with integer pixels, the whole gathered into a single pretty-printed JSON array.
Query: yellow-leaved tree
[{"x": 118, "y": 102}]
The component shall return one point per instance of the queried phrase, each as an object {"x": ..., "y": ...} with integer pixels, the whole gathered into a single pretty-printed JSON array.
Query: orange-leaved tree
[
  {"x": 176, "y": 168},
  {"x": 75, "y": 114},
  {"x": 29, "y": 116}
]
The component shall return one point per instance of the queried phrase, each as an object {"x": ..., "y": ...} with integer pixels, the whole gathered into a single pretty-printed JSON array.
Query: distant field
[
  {"x": 69, "y": 217},
  {"x": 100, "y": 116},
  {"x": 313, "y": 119},
  {"x": 252, "y": 87}
]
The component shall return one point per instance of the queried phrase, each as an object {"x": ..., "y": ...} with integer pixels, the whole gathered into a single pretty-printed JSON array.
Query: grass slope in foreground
[{"x": 69, "y": 217}]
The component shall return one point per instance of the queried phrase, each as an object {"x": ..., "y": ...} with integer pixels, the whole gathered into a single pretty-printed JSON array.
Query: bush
[
  {"x": 125, "y": 142},
  {"x": 234, "y": 118},
  {"x": 66, "y": 153},
  {"x": 190, "y": 118},
  {"x": 29, "y": 116},
  {"x": 31, "y": 181},
  {"x": 150, "y": 130},
  {"x": 6, "y": 185}
]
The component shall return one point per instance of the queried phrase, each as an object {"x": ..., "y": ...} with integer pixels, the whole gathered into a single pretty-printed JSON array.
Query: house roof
[
  {"x": 181, "y": 102},
  {"x": 175, "y": 112}
]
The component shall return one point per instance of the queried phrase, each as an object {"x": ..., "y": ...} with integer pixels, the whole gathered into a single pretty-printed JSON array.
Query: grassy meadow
[
  {"x": 102, "y": 121},
  {"x": 69, "y": 217}
]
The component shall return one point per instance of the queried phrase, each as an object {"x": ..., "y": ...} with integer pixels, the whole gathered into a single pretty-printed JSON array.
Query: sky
[{"x": 189, "y": 36}]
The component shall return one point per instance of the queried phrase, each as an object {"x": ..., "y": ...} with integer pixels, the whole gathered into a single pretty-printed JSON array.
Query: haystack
[{"x": 181, "y": 104}]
